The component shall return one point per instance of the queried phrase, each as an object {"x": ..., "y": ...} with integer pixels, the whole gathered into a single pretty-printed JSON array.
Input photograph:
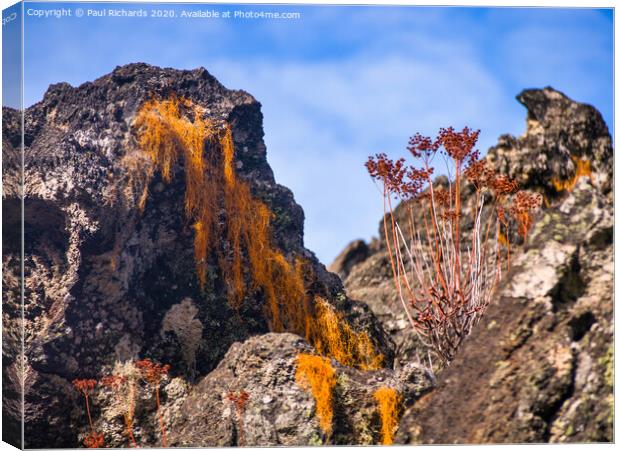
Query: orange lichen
[
  {"x": 502, "y": 240},
  {"x": 582, "y": 169},
  {"x": 167, "y": 135},
  {"x": 334, "y": 337},
  {"x": 316, "y": 374},
  {"x": 234, "y": 228},
  {"x": 228, "y": 151},
  {"x": 389, "y": 401}
]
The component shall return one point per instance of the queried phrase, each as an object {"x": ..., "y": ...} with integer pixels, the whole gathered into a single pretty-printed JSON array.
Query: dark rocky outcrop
[
  {"x": 560, "y": 132},
  {"x": 106, "y": 283},
  {"x": 539, "y": 365}
]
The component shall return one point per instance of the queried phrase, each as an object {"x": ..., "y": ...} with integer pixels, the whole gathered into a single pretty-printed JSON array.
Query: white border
[{"x": 483, "y": 3}]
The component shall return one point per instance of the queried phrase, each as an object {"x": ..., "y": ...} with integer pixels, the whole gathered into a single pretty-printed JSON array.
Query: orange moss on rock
[
  {"x": 582, "y": 169},
  {"x": 333, "y": 336},
  {"x": 389, "y": 406},
  {"x": 172, "y": 130},
  {"x": 316, "y": 374},
  {"x": 234, "y": 227}
]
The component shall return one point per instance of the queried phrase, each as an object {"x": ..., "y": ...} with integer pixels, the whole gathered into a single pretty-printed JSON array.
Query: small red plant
[
  {"x": 153, "y": 373},
  {"x": 86, "y": 387},
  {"x": 445, "y": 273},
  {"x": 94, "y": 440},
  {"x": 117, "y": 383},
  {"x": 239, "y": 400}
]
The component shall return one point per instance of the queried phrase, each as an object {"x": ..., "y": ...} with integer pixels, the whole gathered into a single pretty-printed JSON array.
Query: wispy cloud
[
  {"x": 346, "y": 82},
  {"x": 338, "y": 113}
]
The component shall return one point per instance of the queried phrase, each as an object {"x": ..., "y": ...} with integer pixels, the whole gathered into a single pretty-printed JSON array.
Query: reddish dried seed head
[
  {"x": 397, "y": 178},
  {"x": 390, "y": 172},
  {"x": 94, "y": 440},
  {"x": 422, "y": 145},
  {"x": 84, "y": 386},
  {"x": 458, "y": 145},
  {"x": 502, "y": 185},
  {"x": 239, "y": 399},
  {"x": 521, "y": 208},
  {"x": 152, "y": 372},
  {"x": 115, "y": 381}
]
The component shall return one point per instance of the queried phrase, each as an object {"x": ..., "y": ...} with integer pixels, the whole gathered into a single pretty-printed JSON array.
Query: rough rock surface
[
  {"x": 106, "y": 283},
  {"x": 559, "y": 132},
  {"x": 278, "y": 411},
  {"x": 539, "y": 365},
  {"x": 356, "y": 252}
]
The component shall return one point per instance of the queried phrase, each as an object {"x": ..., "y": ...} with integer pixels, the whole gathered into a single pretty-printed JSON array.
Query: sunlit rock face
[{"x": 538, "y": 367}]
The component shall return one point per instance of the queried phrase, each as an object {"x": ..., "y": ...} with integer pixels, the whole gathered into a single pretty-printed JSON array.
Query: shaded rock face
[
  {"x": 107, "y": 283},
  {"x": 538, "y": 367},
  {"x": 356, "y": 252}
]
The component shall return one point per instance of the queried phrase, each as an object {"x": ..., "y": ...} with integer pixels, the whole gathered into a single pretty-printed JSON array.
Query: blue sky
[{"x": 341, "y": 83}]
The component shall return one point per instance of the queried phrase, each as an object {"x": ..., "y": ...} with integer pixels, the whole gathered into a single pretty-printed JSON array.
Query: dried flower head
[
  {"x": 458, "y": 145},
  {"x": 390, "y": 172},
  {"x": 84, "y": 386},
  {"x": 523, "y": 204},
  {"x": 239, "y": 399},
  {"x": 94, "y": 440},
  {"x": 420, "y": 146},
  {"x": 114, "y": 381},
  {"x": 152, "y": 372},
  {"x": 503, "y": 185}
]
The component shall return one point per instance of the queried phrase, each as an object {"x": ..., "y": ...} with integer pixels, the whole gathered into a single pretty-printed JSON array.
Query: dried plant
[
  {"x": 86, "y": 387},
  {"x": 153, "y": 374},
  {"x": 239, "y": 400},
  {"x": 94, "y": 440},
  {"x": 124, "y": 390},
  {"x": 445, "y": 273}
]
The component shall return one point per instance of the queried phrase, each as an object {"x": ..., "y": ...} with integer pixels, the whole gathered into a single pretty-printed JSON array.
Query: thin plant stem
[{"x": 161, "y": 419}]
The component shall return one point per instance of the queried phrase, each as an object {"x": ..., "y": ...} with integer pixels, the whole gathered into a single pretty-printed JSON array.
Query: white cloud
[{"x": 323, "y": 119}]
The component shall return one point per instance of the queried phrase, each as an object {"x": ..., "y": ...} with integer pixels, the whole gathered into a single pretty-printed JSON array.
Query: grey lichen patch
[
  {"x": 181, "y": 320},
  {"x": 126, "y": 349}
]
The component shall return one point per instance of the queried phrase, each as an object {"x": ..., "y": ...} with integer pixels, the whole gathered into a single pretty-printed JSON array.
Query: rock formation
[
  {"x": 118, "y": 280},
  {"x": 110, "y": 268},
  {"x": 539, "y": 365}
]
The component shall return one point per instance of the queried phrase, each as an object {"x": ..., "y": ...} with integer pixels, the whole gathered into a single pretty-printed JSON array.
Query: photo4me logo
[{"x": 9, "y": 18}]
